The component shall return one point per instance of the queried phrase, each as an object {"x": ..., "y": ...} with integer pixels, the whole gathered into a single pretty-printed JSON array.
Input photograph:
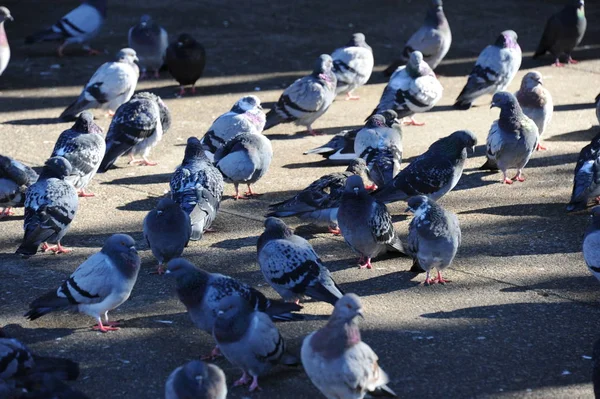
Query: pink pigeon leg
[
  {"x": 506, "y": 180},
  {"x": 160, "y": 269},
  {"x": 572, "y": 61},
  {"x": 335, "y": 231},
  {"x": 156, "y": 74},
  {"x": 215, "y": 353},
  {"x": 428, "y": 280},
  {"x": 519, "y": 176},
  {"x": 350, "y": 96},
  {"x": 244, "y": 379},
  {"x": 557, "y": 63},
  {"x": 143, "y": 75},
  {"x": 540, "y": 147},
  {"x": 254, "y": 386},
  {"x": 312, "y": 132},
  {"x": 59, "y": 249},
  {"x": 237, "y": 195},
  {"x": 250, "y": 193},
  {"x": 93, "y": 51},
  {"x": 413, "y": 122},
  {"x": 367, "y": 264},
  {"x": 82, "y": 193},
  {"x": 103, "y": 328},
  {"x": 6, "y": 212},
  {"x": 181, "y": 91},
  {"x": 439, "y": 279},
  {"x": 194, "y": 88},
  {"x": 60, "y": 49},
  {"x": 371, "y": 187}
]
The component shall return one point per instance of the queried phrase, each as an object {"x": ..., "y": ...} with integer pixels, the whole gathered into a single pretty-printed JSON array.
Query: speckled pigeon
[
  {"x": 4, "y": 47},
  {"x": 591, "y": 244},
  {"x": 494, "y": 69},
  {"x": 83, "y": 146},
  {"x": 150, "y": 42},
  {"x": 186, "y": 59},
  {"x": 137, "y": 127},
  {"x": 100, "y": 284},
  {"x": 111, "y": 85},
  {"x": 366, "y": 223},
  {"x": 338, "y": 362},
  {"x": 196, "y": 379},
  {"x": 352, "y": 65},
  {"x": 433, "y": 173},
  {"x": 14, "y": 180},
  {"x": 197, "y": 186},
  {"x": 50, "y": 206},
  {"x": 536, "y": 102},
  {"x": 586, "y": 179},
  {"x": 307, "y": 99}
]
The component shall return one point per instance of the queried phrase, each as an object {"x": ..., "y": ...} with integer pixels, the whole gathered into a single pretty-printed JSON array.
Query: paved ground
[{"x": 520, "y": 316}]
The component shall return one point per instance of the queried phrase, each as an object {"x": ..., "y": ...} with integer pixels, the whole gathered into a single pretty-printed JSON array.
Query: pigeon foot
[
  {"x": 6, "y": 212},
  {"x": 103, "y": 328},
  {"x": 572, "y": 61},
  {"x": 366, "y": 265},
  {"x": 215, "y": 353},
  {"x": 413, "y": 122},
  {"x": 350, "y": 96},
  {"x": 254, "y": 386},
  {"x": 83, "y": 194},
  {"x": 507, "y": 181},
  {"x": 244, "y": 379},
  {"x": 335, "y": 232},
  {"x": 540, "y": 147}
]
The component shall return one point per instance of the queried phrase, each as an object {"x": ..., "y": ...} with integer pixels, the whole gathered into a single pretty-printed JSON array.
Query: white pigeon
[
  {"x": 536, "y": 102},
  {"x": 352, "y": 65},
  {"x": 4, "y": 48}
]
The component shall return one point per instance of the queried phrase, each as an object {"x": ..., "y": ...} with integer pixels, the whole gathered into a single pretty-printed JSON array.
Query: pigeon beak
[
  {"x": 493, "y": 104},
  {"x": 158, "y": 213},
  {"x": 355, "y": 190},
  {"x": 9, "y": 17},
  {"x": 168, "y": 271},
  {"x": 259, "y": 107},
  {"x": 220, "y": 312},
  {"x": 133, "y": 250},
  {"x": 179, "y": 44},
  {"x": 136, "y": 59},
  {"x": 471, "y": 149},
  {"x": 143, "y": 24},
  {"x": 360, "y": 314}
]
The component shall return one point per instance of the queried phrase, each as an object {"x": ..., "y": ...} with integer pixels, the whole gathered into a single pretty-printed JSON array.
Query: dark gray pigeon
[
  {"x": 111, "y": 85},
  {"x": 586, "y": 179},
  {"x": 249, "y": 340},
  {"x": 100, "y": 284},
  {"x": 244, "y": 160},
  {"x": 198, "y": 380},
  {"x": 536, "y": 102},
  {"x": 167, "y": 230},
  {"x": 83, "y": 146},
  {"x": 14, "y": 180},
  {"x": 50, "y": 207},
  {"x": 338, "y": 362},
  {"x": 591, "y": 244},
  {"x": 138, "y": 126},
  {"x": 79, "y": 26},
  {"x": 598, "y": 107},
  {"x": 320, "y": 201},
  {"x": 307, "y": 99},
  {"x": 4, "y": 47},
  {"x": 512, "y": 138},
  {"x": 292, "y": 267},
  {"x": 433, "y": 237},
  {"x": 433, "y": 39},
  {"x": 563, "y": 32},
  {"x": 352, "y": 65},
  {"x": 366, "y": 223},
  {"x": 186, "y": 59},
  {"x": 197, "y": 186},
  {"x": 412, "y": 89},
  {"x": 150, "y": 42},
  {"x": 433, "y": 173}
]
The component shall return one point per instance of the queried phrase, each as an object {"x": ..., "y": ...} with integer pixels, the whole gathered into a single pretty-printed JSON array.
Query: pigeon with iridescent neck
[
  {"x": 591, "y": 244},
  {"x": 586, "y": 179},
  {"x": 150, "y": 42},
  {"x": 352, "y": 65},
  {"x": 536, "y": 102},
  {"x": 15, "y": 177},
  {"x": 197, "y": 380},
  {"x": 4, "y": 47}
]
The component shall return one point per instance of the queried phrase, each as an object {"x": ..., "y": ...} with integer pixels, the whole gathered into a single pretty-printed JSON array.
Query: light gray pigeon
[
  {"x": 338, "y": 362},
  {"x": 412, "y": 89},
  {"x": 137, "y": 127},
  {"x": 591, "y": 244},
  {"x": 249, "y": 340},
  {"x": 100, "y": 284},
  {"x": 536, "y": 102},
  {"x": 50, "y": 207},
  {"x": 598, "y": 108},
  {"x": 198, "y": 380},
  {"x": 320, "y": 201},
  {"x": 197, "y": 186},
  {"x": 83, "y": 146},
  {"x": 167, "y": 230},
  {"x": 433, "y": 173},
  {"x": 244, "y": 160},
  {"x": 246, "y": 116},
  {"x": 80, "y": 26},
  {"x": 352, "y": 65},
  {"x": 14, "y": 180},
  {"x": 4, "y": 47},
  {"x": 563, "y": 32},
  {"x": 186, "y": 59},
  {"x": 307, "y": 99},
  {"x": 433, "y": 237},
  {"x": 494, "y": 69},
  {"x": 150, "y": 42},
  {"x": 586, "y": 179},
  {"x": 512, "y": 138},
  {"x": 366, "y": 223},
  {"x": 111, "y": 85},
  {"x": 292, "y": 267},
  {"x": 433, "y": 39}
]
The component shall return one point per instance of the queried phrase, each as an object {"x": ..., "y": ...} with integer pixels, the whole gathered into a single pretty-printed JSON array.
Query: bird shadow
[
  {"x": 171, "y": 320},
  {"x": 553, "y": 160},
  {"x": 146, "y": 204},
  {"x": 402, "y": 280},
  {"x": 578, "y": 135},
  {"x": 315, "y": 164},
  {"x": 474, "y": 180},
  {"x": 573, "y": 107},
  {"x": 236, "y": 243},
  {"x": 34, "y": 121},
  {"x": 579, "y": 283},
  {"x": 544, "y": 209},
  {"x": 147, "y": 179},
  {"x": 31, "y": 336}
]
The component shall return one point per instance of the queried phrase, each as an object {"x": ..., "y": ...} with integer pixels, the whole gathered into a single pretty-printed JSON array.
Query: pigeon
[
  {"x": 244, "y": 159},
  {"x": 563, "y": 32},
  {"x": 366, "y": 223},
  {"x": 494, "y": 69},
  {"x": 596, "y": 368},
  {"x": 186, "y": 59},
  {"x": 14, "y": 180},
  {"x": 433, "y": 237},
  {"x": 83, "y": 146},
  {"x": 433, "y": 39},
  {"x": 321, "y": 199},
  {"x": 50, "y": 206},
  {"x": 307, "y": 99},
  {"x": 80, "y": 26},
  {"x": 586, "y": 179},
  {"x": 4, "y": 47},
  {"x": 412, "y": 89},
  {"x": 111, "y": 85},
  {"x": 137, "y": 127},
  {"x": 246, "y": 116},
  {"x": 196, "y": 379},
  {"x": 536, "y": 102},
  {"x": 197, "y": 186},
  {"x": 512, "y": 138},
  {"x": 591, "y": 242},
  {"x": 167, "y": 230},
  {"x": 292, "y": 267},
  {"x": 352, "y": 65},
  {"x": 338, "y": 362},
  {"x": 433, "y": 173},
  {"x": 598, "y": 108},
  {"x": 249, "y": 340},
  {"x": 150, "y": 42},
  {"x": 100, "y": 284}
]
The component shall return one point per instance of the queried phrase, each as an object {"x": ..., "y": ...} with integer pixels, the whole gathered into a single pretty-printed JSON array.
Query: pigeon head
[
  {"x": 323, "y": 68},
  {"x": 456, "y": 144},
  {"x": 508, "y": 104},
  {"x": 347, "y": 308},
  {"x": 416, "y": 66},
  {"x": 193, "y": 149},
  {"x": 578, "y": 3},
  {"x": 191, "y": 281},
  {"x": 85, "y": 124},
  {"x": 127, "y": 55},
  {"x": 277, "y": 226},
  {"x": 5, "y": 15},
  {"x": 391, "y": 117},
  {"x": 375, "y": 121},
  {"x": 4, "y": 163},
  {"x": 179, "y": 267},
  {"x": 145, "y": 20},
  {"x": 233, "y": 318},
  {"x": 57, "y": 167},
  {"x": 531, "y": 79},
  {"x": 357, "y": 166},
  {"x": 166, "y": 206},
  {"x": 99, "y": 5},
  {"x": 185, "y": 40},
  {"x": 189, "y": 380},
  {"x": 419, "y": 205},
  {"x": 246, "y": 103},
  {"x": 121, "y": 249},
  {"x": 355, "y": 186},
  {"x": 358, "y": 40},
  {"x": 507, "y": 39},
  {"x": 435, "y": 14}
]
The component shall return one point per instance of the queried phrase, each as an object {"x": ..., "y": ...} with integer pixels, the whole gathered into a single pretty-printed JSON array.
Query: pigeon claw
[
  {"x": 160, "y": 270},
  {"x": 57, "y": 249},
  {"x": 366, "y": 265},
  {"x": 6, "y": 212},
  {"x": 335, "y": 231},
  {"x": 558, "y": 64},
  {"x": 244, "y": 380},
  {"x": 572, "y": 61},
  {"x": 215, "y": 353},
  {"x": 371, "y": 187},
  {"x": 507, "y": 181},
  {"x": 413, "y": 122},
  {"x": 254, "y": 386},
  {"x": 350, "y": 96},
  {"x": 83, "y": 194},
  {"x": 540, "y": 147},
  {"x": 102, "y": 328}
]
